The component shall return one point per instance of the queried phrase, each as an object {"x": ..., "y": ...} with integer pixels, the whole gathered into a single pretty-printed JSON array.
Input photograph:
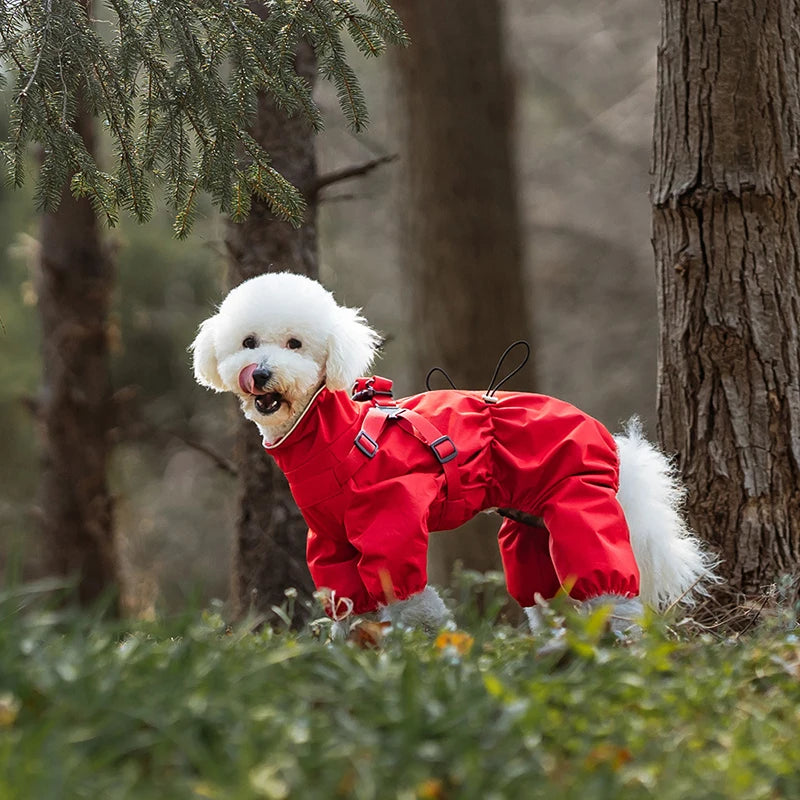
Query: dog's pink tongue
[{"x": 246, "y": 380}]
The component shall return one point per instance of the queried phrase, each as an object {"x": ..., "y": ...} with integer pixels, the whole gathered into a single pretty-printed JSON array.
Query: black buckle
[
  {"x": 444, "y": 440},
  {"x": 370, "y": 451},
  {"x": 368, "y": 393}
]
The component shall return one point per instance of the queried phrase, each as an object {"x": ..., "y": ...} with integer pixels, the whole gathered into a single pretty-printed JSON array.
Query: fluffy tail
[{"x": 672, "y": 562}]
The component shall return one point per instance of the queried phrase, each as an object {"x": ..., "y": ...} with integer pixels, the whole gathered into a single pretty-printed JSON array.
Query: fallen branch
[{"x": 337, "y": 176}]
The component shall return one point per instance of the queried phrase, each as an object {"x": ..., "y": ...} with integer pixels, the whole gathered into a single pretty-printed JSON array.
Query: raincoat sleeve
[
  {"x": 333, "y": 564},
  {"x": 387, "y": 524}
]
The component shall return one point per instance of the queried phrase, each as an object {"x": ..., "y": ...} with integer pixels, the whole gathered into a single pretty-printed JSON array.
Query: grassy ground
[{"x": 192, "y": 709}]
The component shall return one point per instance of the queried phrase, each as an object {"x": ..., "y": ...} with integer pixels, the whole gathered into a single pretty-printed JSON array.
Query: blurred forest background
[{"x": 583, "y": 82}]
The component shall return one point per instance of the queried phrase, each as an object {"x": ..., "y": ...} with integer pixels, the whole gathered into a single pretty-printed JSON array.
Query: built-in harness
[{"x": 384, "y": 411}]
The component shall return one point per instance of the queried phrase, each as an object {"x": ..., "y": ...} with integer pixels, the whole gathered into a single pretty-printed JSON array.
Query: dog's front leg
[{"x": 424, "y": 610}]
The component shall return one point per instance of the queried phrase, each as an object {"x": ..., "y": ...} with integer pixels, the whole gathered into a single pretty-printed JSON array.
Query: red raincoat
[{"x": 372, "y": 483}]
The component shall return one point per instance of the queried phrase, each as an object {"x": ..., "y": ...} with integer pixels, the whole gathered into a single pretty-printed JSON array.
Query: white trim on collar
[{"x": 288, "y": 433}]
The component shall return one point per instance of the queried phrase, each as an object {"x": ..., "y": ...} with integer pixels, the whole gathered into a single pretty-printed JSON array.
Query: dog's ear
[
  {"x": 351, "y": 348},
  {"x": 204, "y": 356}
]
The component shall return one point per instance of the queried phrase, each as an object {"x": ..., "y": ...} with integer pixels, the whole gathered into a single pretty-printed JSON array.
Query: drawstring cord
[
  {"x": 431, "y": 372},
  {"x": 493, "y": 387},
  {"x": 489, "y": 395}
]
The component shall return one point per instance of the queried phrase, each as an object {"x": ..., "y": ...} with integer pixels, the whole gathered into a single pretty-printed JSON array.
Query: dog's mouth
[
  {"x": 253, "y": 381},
  {"x": 268, "y": 403}
]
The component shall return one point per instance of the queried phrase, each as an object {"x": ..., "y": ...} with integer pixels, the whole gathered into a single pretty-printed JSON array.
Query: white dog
[{"x": 374, "y": 476}]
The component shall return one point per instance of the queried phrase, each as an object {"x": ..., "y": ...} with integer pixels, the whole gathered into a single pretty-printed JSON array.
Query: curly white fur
[{"x": 337, "y": 345}]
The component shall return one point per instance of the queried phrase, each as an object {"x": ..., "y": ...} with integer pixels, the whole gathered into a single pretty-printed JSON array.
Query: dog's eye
[
  {"x": 294, "y": 344},
  {"x": 249, "y": 342}
]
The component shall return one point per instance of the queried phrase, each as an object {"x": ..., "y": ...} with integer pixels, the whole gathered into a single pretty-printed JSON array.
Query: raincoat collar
[
  {"x": 322, "y": 435},
  {"x": 282, "y": 439}
]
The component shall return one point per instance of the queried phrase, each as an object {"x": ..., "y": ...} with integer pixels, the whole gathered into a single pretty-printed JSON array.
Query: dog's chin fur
[{"x": 274, "y": 427}]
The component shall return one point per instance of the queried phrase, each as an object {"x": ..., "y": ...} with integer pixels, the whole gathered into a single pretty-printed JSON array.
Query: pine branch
[
  {"x": 45, "y": 32},
  {"x": 173, "y": 70},
  {"x": 142, "y": 211},
  {"x": 183, "y": 222}
]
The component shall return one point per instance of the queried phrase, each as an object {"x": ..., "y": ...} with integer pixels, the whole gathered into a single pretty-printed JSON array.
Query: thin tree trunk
[
  {"x": 76, "y": 281},
  {"x": 726, "y": 234},
  {"x": 462, "y": 241},
  {"x": 269, "y": 556}
]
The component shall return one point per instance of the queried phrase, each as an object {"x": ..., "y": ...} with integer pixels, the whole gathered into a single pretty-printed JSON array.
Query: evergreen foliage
[{"x": 175, "y": 84}]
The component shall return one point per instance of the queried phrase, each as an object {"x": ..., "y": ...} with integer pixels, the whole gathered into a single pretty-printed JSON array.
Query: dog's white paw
[
  {"x": 340, "y": 630},
  {"x": 626, "y": 613},
  {"x": 425, "y": 610},
  {"x": 624, "y": 619}
]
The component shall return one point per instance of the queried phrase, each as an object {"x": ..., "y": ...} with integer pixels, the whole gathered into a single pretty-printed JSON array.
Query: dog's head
[{"x": 274, "y": 341}]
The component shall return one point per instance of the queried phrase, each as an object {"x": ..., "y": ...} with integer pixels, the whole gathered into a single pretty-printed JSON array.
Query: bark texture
[
  {"x": 726, "y": 234},
  {"x": 269, "y": 555},
  {"x": 461, "y": 231},
  {"x": 75, "y": 284}
]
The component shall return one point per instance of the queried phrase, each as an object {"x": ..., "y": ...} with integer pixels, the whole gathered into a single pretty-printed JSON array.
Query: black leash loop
[
  {"x": 430, "y": 375},
  {"x": 494, "y": 387}
]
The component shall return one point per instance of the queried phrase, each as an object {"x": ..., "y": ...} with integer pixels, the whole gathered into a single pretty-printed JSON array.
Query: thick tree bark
[
  {"x": 726, "y": 233},
  {"x": 462, "y": 238},
  {"x": 76, "y": 280},
  {"x": 269, "y": 556}
]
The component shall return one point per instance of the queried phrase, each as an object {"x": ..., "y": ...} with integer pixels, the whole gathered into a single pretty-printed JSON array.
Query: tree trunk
[
  {"x": 726, "y": 233},
  {"x": 269, "y": 556},
  {"x": 462, "y": 237},
  {"x": 75, "y": 284}
]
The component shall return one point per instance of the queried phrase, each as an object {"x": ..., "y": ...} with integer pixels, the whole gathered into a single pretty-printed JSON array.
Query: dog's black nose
[{"x": 261, "y": 377}]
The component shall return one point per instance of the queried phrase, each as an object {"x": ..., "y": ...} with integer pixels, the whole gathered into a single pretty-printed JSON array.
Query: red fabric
[{"x": 368, "y": 538}]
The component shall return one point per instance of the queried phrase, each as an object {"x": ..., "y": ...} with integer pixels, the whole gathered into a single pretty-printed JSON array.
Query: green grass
[{"x": 192, "y": 709}]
